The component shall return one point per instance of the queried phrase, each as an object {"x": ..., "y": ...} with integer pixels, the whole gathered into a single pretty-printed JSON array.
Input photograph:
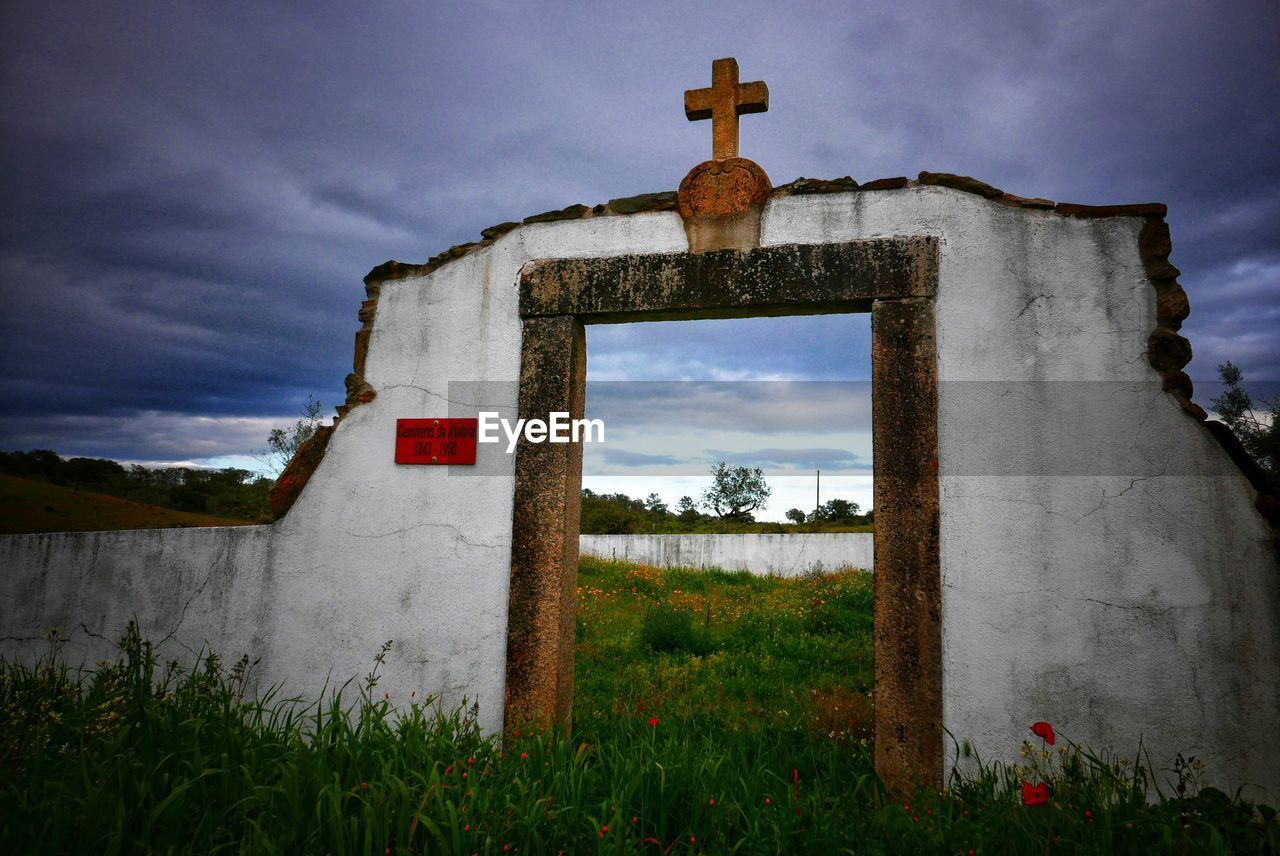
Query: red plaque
[{"x": 436, "y": 441}]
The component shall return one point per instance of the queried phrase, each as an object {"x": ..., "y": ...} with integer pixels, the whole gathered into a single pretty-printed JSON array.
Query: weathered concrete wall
[
  {"x": 1103, "y": 565},
  {"x": 189, "y": 589},
  {"x": 788, "y": 555},
  {"x": 370, "y": 551},
  {"x": 1122, "y": 587}
]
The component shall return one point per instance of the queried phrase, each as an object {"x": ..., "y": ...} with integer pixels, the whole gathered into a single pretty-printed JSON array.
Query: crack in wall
[
  {"x": 457, "y": 534},
  {"x": 182, "y": 616},
  {"x": 446, "y": 399},
  {"x": 81, "y": 627}
]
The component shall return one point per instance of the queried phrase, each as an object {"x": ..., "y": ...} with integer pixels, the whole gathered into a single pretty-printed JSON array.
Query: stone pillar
[
  {"x": 544, "y": 550},
  {"x": 908, "y": 587}
]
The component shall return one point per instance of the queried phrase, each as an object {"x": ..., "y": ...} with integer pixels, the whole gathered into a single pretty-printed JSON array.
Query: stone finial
[{"x": 721, "y": 200}]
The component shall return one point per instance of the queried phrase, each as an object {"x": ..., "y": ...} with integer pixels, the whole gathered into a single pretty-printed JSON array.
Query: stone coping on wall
[
  {"x": 666, "y": 201},
  {"x": 1167, "y": 350}
]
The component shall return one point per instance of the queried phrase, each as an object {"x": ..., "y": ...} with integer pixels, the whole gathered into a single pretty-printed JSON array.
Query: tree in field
[
  {"x": 1255, "y": 423},
  {"x": 654, "y": 504},
  {"x": 795, "y": 515},
  {"x": 283, "y": 442},
  {"x": 840, "y": 510},
  {"x": 611, "y": 514},
  {"x": 735, "y": 492}
]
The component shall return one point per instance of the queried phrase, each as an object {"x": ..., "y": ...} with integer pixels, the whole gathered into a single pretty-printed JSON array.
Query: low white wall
[
  {"x": 786, "y": 555},
  {"x": 190, "y": 590}
]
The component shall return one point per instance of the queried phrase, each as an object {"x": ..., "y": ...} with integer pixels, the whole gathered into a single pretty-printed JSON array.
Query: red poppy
[
  {"x": 1035, "y": 794},
  {"x": 653, "y": 722},
  {"x": 1044, "y": 731}
]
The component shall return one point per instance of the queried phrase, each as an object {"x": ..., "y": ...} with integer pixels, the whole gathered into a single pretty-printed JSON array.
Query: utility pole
[{"x": 817, "y": 500}]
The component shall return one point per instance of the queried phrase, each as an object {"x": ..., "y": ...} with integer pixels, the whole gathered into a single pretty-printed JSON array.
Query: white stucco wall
[
  {"x": 1103, "y": 566},
  {"x": 784, "y": 555}
]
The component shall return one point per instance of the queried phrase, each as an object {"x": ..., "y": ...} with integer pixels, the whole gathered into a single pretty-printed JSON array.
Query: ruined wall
[
  {"x": 1103, "y": 564},
  {"x": 1104, "y": 567},
  {"x": 788, "y": 555}
]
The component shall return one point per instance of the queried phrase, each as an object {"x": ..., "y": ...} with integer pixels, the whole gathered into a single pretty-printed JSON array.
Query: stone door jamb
[{"x": 896, "y": 280}]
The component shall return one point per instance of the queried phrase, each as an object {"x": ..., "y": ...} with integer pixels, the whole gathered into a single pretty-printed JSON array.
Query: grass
[
  {"x": 728, "y": 740},
  {"x": 28, "y": 506},
  {"x": 789, "y": 656}
]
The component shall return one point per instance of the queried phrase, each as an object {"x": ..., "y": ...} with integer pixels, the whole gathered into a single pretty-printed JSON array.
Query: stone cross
[{"x": 723, "y": 103}]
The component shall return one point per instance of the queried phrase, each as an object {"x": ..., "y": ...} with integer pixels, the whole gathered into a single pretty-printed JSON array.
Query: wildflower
[
  {"x": 653, "y": 722},
  {"x": 713, "y": 801},
  {"x": 604, "y": 830},
  {"x": 466, "y": 828},
  {"x": 524, "y": 756},
  {"x": 768, "y": 801},
  {"x": 1044, "y": 731},
  {"x": 1035, "y": 794}
]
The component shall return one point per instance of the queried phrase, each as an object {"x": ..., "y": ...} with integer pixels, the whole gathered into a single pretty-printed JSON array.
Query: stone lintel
[{"x": 789, "y": 279}]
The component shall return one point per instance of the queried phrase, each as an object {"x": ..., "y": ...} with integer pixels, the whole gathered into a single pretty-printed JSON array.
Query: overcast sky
[{"x": 193, "y": 191}]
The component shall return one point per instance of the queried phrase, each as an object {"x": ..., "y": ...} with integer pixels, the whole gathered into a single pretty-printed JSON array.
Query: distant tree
[
  {"x": 1256, "y": 423},
  {"x": 611, "y": 514},
  {"x": 839, "y": 510},
  {"x": 687, "y": 508},
  {"x": 654, "y": 504},
  {"x": 93, "y": 472},
  {"x": 795, "y": 515},
  {"x": 282, "y": 443},
  {"x": 735, "y": 492}
]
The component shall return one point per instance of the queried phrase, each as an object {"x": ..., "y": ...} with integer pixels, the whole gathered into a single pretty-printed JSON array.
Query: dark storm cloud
[{"x": 193, "y": 191}]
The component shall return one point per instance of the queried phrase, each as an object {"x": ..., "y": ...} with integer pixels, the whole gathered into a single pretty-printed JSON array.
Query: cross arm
[
  {"x": 753, "y": 97},
  {"x": 697, "y": 104}
]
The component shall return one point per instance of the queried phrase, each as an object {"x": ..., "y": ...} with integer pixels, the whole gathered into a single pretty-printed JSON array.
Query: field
[
  {"x": 37, "y": 506},
  {"x": 724, "y": 653},
  {"x": 715, "y": 713}
]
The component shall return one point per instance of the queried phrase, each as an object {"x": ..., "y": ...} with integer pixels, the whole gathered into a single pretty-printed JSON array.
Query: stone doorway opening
[
  {"x": 788, "y": 394},
  {"x": 659, "y": 633},
  {"x": 893, "y": 279}
]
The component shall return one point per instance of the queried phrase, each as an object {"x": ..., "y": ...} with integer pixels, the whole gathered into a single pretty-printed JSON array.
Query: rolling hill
[{"x": 36, "y": 506}]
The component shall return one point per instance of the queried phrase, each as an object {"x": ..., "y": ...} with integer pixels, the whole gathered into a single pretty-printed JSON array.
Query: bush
[{"x": 668, "y": 630}]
